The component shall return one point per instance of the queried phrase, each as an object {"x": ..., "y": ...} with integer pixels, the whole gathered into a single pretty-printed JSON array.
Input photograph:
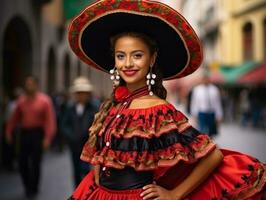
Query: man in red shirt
[{"x": 35, "y": 116}]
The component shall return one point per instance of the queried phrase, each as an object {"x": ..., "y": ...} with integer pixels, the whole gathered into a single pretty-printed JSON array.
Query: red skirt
[
  {"x": 239, "y": 177},
  {"x": 88, "y": 190}
]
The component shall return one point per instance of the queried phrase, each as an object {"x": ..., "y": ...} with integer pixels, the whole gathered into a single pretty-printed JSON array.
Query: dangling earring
[
  {"x": 150, "y": 80},
  {"x": 115, "y": 76}
]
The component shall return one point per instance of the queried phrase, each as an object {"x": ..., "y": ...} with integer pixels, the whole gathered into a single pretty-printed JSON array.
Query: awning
[
  {"x": 257, "y": 75},
  {"x": 230, "y": 74},
  {"x": 216, "y": 77},
  {"x": 73, "y": 7}
]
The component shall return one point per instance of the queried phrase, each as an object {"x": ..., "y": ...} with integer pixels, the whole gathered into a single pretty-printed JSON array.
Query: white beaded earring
[
  {"x": 115, "y": 76},
  {"x": 150, "y": 80}
]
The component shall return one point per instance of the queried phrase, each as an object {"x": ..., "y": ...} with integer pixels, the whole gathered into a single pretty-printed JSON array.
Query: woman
[{"x": 140, "y": 145}]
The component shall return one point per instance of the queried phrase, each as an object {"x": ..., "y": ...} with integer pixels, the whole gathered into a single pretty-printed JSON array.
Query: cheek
[
  {"x": 144, "y": 65},
  {"x": 118, "y": 63}
]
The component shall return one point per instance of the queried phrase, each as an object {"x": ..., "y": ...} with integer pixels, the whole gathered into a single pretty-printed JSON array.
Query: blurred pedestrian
[
  {"x": 35, "y": 115},
  {"x": 256, "y": 107},
  {"x": 61, "y": 101},
  {"x": 9, "y": 150},
  {"x": 206, "y": 106},
  {"x": 75, "y": 123},
  {"x": 12, "y": 103},
  {"x": 244, "y": 106}
]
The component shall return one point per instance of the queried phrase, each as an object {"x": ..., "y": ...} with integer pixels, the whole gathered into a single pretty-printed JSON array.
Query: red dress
[{"x": 160, "y": 139}]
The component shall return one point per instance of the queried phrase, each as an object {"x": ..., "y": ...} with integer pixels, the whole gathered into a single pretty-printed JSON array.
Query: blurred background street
[{"x": 33, "y": 41}]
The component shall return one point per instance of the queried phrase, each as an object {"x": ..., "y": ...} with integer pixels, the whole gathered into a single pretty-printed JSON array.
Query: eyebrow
[{"x": 135, "y": 51}]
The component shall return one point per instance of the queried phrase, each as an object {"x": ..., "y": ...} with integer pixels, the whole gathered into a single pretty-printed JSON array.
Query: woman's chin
[
  {"x": 133, "y": 82},
  {"x": 130, "y": 80}
]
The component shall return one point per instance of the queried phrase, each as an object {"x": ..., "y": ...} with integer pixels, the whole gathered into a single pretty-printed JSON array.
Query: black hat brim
[{"x": 95, "y": 40}]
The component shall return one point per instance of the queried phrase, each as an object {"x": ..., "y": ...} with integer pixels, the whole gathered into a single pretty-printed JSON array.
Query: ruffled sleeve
[{"x": 145, "y": 139}]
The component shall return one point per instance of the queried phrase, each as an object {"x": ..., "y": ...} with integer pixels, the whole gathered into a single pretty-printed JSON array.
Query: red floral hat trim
[{"x": 156, "y": 9}]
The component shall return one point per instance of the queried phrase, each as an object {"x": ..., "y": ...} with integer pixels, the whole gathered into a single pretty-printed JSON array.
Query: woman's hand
[
  {"x": 156, "y": 192},
  {"x": 97, "y": 174}
]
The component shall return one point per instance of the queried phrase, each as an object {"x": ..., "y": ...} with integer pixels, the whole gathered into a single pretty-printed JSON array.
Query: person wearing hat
[
  {"x": 75, "y": 123},
  {"x": 140, "y": 145}
]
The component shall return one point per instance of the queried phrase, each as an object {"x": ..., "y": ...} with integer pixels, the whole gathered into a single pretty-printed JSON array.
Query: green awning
[
  {"x": 73, "y": 7},
  {"x": 232, "y": 73}
]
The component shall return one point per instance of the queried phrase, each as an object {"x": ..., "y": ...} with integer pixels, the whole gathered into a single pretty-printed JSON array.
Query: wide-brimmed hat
[
  {"x": 180, "y": 51},
  {"x": 81, "y": 84}
]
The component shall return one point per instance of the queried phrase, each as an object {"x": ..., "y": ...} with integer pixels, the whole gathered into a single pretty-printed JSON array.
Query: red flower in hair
[{"x": 120, "y": 93}]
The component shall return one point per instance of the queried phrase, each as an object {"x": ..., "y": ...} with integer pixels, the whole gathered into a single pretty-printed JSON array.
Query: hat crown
[
  {"x": 81, "y": 84},
  {"x": 81, "y": 81}
]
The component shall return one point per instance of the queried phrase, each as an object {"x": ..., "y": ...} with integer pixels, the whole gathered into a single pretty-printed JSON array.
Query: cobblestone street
[{"x": 56, "y": 181}]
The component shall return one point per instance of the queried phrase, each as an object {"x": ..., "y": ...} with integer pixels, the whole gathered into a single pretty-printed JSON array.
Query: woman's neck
[{"x": 133, "y": 87}]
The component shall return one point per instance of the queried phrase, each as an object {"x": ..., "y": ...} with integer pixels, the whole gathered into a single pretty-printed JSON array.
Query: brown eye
[
  {"x": 120, "y": 56},
  {"x": 138, "y": 55}
]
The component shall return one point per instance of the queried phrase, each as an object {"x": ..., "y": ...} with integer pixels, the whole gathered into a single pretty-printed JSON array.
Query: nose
[{"x": 128, "y": 63}]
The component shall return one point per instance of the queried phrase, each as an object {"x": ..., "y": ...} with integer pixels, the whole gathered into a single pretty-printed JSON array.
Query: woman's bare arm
[
  {"x": 97, "y": 174},
  {"x": 194, "y": 179},
  {"x": 199, "y": 174}
]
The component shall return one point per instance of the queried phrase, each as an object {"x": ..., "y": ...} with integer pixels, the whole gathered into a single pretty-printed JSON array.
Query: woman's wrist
[{"x": 177, "y": 194}]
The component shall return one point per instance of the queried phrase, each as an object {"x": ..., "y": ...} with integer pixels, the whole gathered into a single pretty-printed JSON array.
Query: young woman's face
[{"x": 133, "y": 60}]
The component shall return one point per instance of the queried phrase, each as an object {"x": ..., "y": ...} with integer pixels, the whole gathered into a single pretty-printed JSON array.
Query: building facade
[
  {"x": 243, "y": 31},
  {"x": 232, "y": 32},
  {"x": 19, "y": 42},
  {"x": 204, "y": 16},
  {"x": 33, "y": 41}
]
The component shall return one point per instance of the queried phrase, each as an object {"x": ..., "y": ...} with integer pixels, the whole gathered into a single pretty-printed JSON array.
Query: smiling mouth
[{"x": 130, "y": 72}]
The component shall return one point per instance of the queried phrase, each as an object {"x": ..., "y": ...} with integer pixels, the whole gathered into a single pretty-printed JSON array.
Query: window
[{"x": 248, "y": 41}]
